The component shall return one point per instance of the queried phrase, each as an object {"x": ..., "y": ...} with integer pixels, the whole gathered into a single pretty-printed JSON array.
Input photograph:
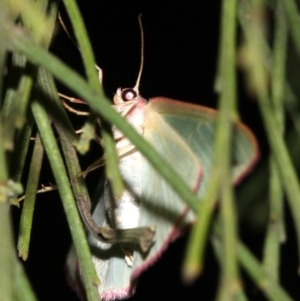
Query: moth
[{"x": 184, "y": 135}]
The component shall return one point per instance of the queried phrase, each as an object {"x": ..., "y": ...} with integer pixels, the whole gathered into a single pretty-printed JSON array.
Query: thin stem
[
  {"x": 30, "y": 196},
  {"x": 60, "y": 175},
  {"x": 275, "y": 232},
  {"x": 88, "y": 129}
]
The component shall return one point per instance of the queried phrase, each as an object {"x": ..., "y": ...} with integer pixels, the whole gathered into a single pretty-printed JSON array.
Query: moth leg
[
  {"x": 124, "y": 151},
  {"x": 128, "y": 252},
  {"x": 100, "y": 74},
  {"x": 98, "y": 163},
  {"x": 80, "y": 113},
  {"x": 73, "y": 100},
  {"x": 142, "y": 236},
  {"x": 124, "y": 108}
]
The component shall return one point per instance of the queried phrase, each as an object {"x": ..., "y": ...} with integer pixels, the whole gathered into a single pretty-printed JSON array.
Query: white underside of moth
[{"x": 121, "y": 213}]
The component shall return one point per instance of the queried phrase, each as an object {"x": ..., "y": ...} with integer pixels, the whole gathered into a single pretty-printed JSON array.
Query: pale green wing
[{"x": 170, "y": 124}]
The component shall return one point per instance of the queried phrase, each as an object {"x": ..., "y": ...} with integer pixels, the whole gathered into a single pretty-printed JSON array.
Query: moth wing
[
  {"x": 159, "y": 203},
  {"x": 171, "y": 124},
  {"x": 109, "y": 259},
  {"x": 196, "y": 126}
]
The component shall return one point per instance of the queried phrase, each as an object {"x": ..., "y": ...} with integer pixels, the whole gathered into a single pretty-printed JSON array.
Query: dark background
[{"x": 181, "y": 44}]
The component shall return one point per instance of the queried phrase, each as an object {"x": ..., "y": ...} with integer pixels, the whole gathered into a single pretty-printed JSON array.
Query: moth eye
[{"x": 128, "y": 94}]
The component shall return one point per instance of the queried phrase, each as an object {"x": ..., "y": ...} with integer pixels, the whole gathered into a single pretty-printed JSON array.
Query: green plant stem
[
  {"x": 259, "y": 179},
  {"x": 221, "y": 170},
  {"x": 111, "y": 153},
  {"x": 194, "y": 254},
  {"x": 229, "y": 286},
  {"x": 22, "y": 289},
  {"x": 19, "y": 105},
  {"x": 84, "y": 43},
  {"x": 7, "y": 254},
  {"x": 67, "y": 139},
  {"x": 16, "y": 102},
  {"x": 30, "y": 196},
  {"x": 88, "y": 272},
  {"x": 252, "y": 266},
  {"x": 275, "y": 232},
  {"x": 19, "y": 155},
  {"x": 3, "y": 171},
  {"x": 3, "y": 163},
  {"x": 218, "y": 250},
  {"x": 38, "y": 23},
  {"x": 287, "y": 172},
  {"x": 290, "y": 99},
  {"x": 292, "y": 106},
  {"x": 3, "y": 18},
  {"x": 271, "y": 258},
  {"x": 111, "y": 165},
  {"x": 293, "y": 18},
  {"x": 23, "y": 94}
]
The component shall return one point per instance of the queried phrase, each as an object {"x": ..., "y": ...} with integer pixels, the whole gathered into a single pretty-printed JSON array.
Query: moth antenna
[
  {"x": 62, "y": 23},
  {"x": 136, "y": 87}
]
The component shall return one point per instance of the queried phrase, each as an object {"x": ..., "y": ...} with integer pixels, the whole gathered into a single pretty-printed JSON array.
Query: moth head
[{"x": 127, "y": 95}]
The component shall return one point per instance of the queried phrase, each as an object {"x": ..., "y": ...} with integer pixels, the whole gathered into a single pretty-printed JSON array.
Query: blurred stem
[
  {"x": 10, "y": 100},
  {"x": 229, "y": 286},
  {"x": 19, "y": 104},
  {"x": 273, "y": 128},
  {"x": 38, "y": 23},
  {"x": 287, "y": 172},
  {"x": 88, "y": 134},
  {"x": 22, "y": 289},
  {"x": 194, "y": 254},
  {"x": 7, "y": 254},
  {"x": 271, "y": 258},
  {"x": 22, "y": 96},
  {"x": 293, "y": 18},
  {"x": 18, "y": 156},
  {"x": 259, "y": 179},
  {"x": 3, "y": 163},
  {"x": 4, "y": 191},
  {"x": 218, "y": 250},
  {"x": 275, "y": 232},
  {"x": 6, "y": 235},
  {"x": 252, "y": 266}
]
